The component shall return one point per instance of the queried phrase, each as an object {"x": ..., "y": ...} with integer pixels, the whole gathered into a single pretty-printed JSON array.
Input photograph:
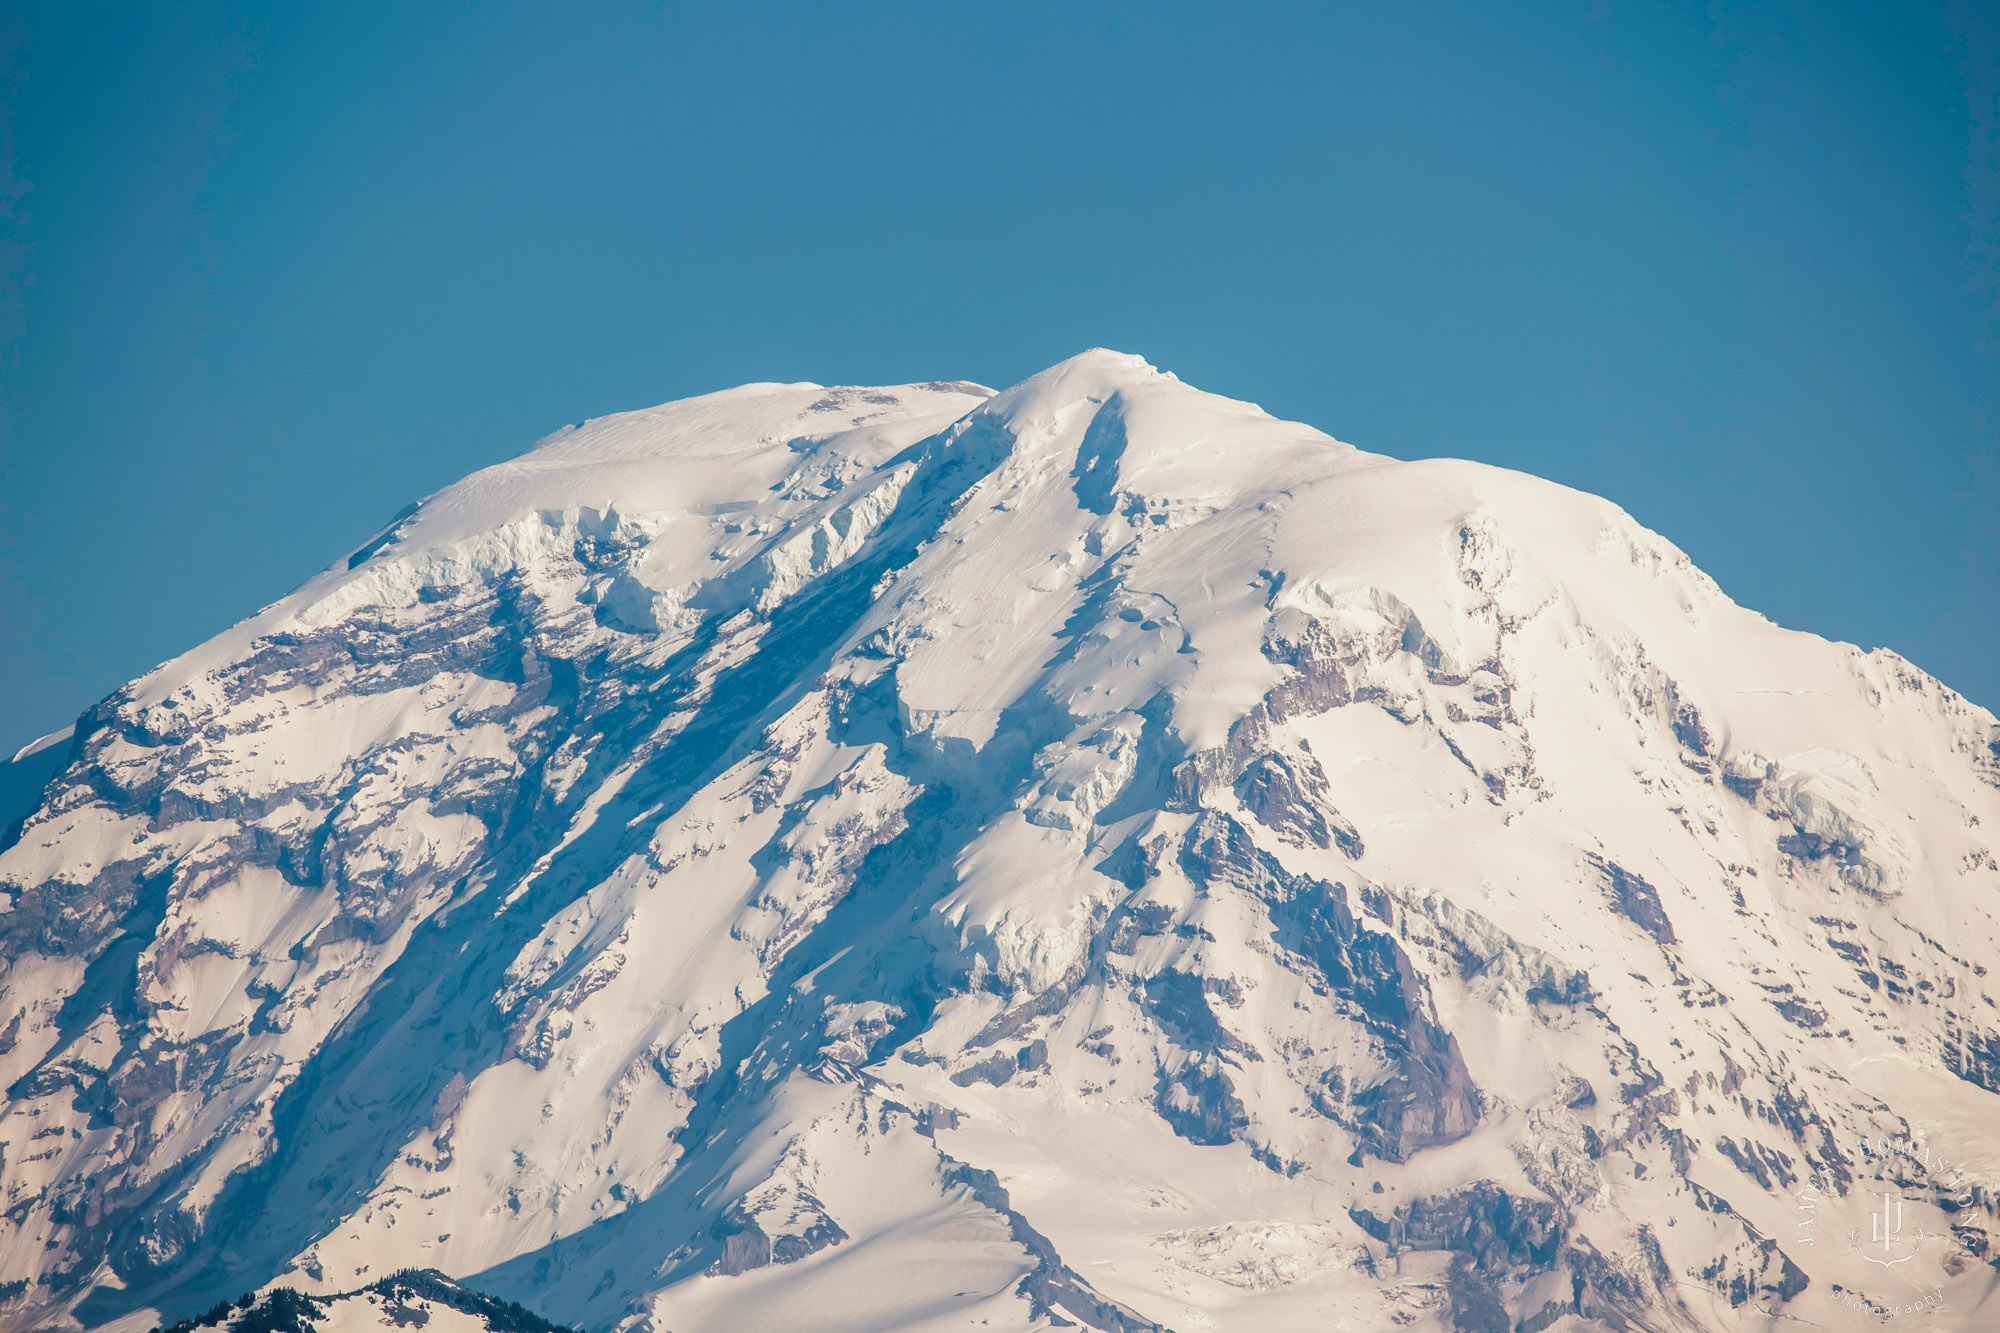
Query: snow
[
  {"x": 662, "y": 877},
  {"x": 37, "y": 746}
]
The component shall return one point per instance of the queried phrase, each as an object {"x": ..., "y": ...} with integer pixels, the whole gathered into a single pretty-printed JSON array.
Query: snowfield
[{"x": 918, "y": 857}]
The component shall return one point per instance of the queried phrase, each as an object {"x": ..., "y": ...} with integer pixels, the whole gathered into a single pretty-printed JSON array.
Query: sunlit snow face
[{"x": 803, "y": 855}]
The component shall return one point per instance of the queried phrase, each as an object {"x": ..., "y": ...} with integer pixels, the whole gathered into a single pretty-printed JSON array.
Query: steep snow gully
[{"x": 919, "y": 857}]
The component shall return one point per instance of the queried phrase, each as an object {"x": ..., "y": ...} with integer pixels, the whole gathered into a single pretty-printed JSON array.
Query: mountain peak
[
  {"x": 1090, "y": 377},
  {"x": 828, "y": 858}
]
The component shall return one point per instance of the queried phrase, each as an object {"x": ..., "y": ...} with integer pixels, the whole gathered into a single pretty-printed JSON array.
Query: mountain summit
[{"x": 920, "y": 857}]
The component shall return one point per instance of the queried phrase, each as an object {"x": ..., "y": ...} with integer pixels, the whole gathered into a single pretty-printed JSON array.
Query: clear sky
[{"x": 271, "y": 272}]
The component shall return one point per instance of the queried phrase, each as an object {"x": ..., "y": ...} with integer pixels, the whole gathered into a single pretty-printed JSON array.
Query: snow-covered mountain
[{"x": 919, "y": 858}]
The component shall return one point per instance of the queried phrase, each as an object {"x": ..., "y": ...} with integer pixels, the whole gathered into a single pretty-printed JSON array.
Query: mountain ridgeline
[{"x": 918, "y": 857}]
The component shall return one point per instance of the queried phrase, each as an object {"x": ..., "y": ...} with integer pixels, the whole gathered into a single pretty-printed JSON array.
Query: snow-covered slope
[{"x": 910, "y": 858}]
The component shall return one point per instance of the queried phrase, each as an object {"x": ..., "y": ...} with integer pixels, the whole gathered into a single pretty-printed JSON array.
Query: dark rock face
[
  {"x": 822, "y": 1232},
  {"x": 1180, "y": 1000},
  {"x": 1761, "y": 1163},
  {"x": 1763, "y": 1272},
  {"x": 1289, "y": 796},
  {"x": 1638, "y": 902},
  {"x": 994, "y": 1069},
  {"x": 1200, "y": 1103},
  {"x": 284, "y": 1310},
  {"x": 1746, "y": 785},
  {"x": 1475, "y": 1305},
  {"x": 1429, "y": 1100},
  {"x": 1808, "y": 846},
  {"x": 1689, "y": 729},
  {"x": 1575, "y": 1092},
  {"x": 744, "y": 1244},
  {"x": 1792, "y": 1280},
  {"x": 1975, "y": 1057},
  {"x": 1486, "y": 1226}
]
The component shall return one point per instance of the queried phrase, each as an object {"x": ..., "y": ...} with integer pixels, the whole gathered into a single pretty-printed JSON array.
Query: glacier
[{"x": 1092, "y": 853}]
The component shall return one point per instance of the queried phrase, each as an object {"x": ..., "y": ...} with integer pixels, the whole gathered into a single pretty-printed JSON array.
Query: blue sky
[{"x": 270, "y": 272}]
